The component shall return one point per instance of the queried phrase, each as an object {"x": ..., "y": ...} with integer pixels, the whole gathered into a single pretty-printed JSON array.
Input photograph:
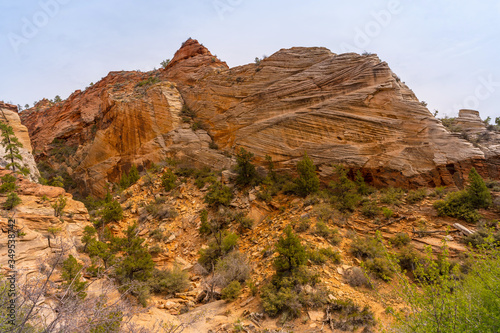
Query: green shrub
[
  {"x": 369, "y": 247},
  {"x": 148, "y": 82},
  {"x": 156, "y": 234},
  {"x": 168, "y": 281},
  {"x": 370, "y": 209},
  {"x": 344, "y": 191},
  {"x": 388, "y": 213},
  {"x": 363, "y": 188},
  {"x": 408, "y": 258},
  {"x": 347, "y": 316},
  {"x": 112, "y": 212},
  {"x": 308, "y": 181},
  {"x": 286, "y": 293},
  {"x": 246, "y": 173},
  {"x": 438, "y": 192},
  {"x": 8, "y": 183},
  {"x": 130, "y": 178},
  {"x": 231, "y": 291},
  {"x": 331, "y": 254},
  {"x": 136, "y": 263},
  {"x": 331, "y": 235},
  {"x": 463, "y": 204},
  {"x": 12, "y": 201},
  {"x": 316, "y": 257},
  {"x": 59, "y": 205},
  {"x": 400, "y": 239},
  {"x": 415, "y": 196},
  {"x": 216, "y": 250},
  {"x": 71, "y": 273},
  {"x": 291, "y": 253},
  {"x": 381, "y": 267},
  {"x": 440, "y": 302},
  {"x": 392, "y": 196},
  {"x": 168, "y": 180},
  {"x": 323, "y": 212},
  {"x": 457, "y": 204},
  {"x": 218, "y": 194},
  {"x": 203, "y": 176},
  {"x": 479, "y": 195}
]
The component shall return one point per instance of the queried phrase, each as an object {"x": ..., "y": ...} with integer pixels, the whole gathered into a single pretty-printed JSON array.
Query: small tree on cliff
[{"x": 12, "y": 145}]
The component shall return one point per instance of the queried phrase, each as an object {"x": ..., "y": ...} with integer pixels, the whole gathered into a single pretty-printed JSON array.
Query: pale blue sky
[{"x": 446, "y": 51}]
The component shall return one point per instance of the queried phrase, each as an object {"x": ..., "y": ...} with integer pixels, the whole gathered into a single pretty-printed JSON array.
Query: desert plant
[
  {"x": 331, "y": 235},
  {"x": 12, "y": 145},
  {"x": 400, "y": 239},
  {"x": 130, "y": 178},
  {"x": 291, "y": 253},
  {"x": 112, "y": 210},
  {"x": 8, "y": 183},
  {"x": 231, "y": 291},
  {"x": 347, "y": 316},
  {"x": 356, "y": 277},
  {"x": 388, "y": 213},
  {"x": 169, "y": 281},
  {"x": 71, "y": 274},
  {"x": 12, "y": 201},
  {"x": 308, "y": 181},
  {"x": 440, "y": 302},
  {"x": 370, "y": 209},
  {"x": 392, "y": 196},
  {"x": 415, "y": 196},
  {"x": 59, "y": 206},
  {"x": 246, "y": 173},
  {"x": 218, "y": 194},
  {"x": 168, "y": 180},
  {"x": 344, "y": 191}
]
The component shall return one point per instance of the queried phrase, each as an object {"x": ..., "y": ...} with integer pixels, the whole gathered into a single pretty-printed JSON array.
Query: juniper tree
[{"x": 308, "y": 181}]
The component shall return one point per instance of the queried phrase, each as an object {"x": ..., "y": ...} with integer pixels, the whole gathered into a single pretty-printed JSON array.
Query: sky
[{"x": 446, "y": 51}]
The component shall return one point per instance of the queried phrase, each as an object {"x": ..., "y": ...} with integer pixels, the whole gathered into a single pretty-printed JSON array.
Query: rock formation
[
  {"x": 349, "y": 108},
  {"x": 128, "y": 118},
  {"x": 9, "y": 116},
  {"x": 34, "y": 216}
]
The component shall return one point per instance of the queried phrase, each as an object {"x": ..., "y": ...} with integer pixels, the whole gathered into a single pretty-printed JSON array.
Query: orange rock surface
[{"x": 349, "y": 108}]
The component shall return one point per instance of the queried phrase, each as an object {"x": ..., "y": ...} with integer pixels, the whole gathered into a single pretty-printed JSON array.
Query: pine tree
[
  {"x": 308, "y": 181},
  {"x": 71, "y": 274},
  {"x": 479, "y": 195},
  {"x": 11, "y": 144},
  {"x": 245, "y": 169},
  {"x": 292, "y": 253}
]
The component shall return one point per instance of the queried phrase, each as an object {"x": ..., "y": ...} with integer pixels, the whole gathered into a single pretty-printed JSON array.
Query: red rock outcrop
[
  {"x": 349, "y": 108},
  {"x": 126, "y": 118}
]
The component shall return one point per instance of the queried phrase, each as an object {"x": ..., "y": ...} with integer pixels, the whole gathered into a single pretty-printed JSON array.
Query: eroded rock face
[
  {"x": 347, "y": 108},
  {"x": 34, "y": 216},
  {"x": 9, "y": 116},
  {"x": 125, "y": 119}
]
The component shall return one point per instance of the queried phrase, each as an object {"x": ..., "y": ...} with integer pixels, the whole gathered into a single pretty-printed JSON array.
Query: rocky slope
[{"x": 347, "y": 108}]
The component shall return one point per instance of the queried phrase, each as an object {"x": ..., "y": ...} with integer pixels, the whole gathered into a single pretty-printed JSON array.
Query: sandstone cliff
[
  {"x": 349, "y": 108},
  {"x": 9, "y": 116},
  {"x": 34, "y": 216},
  {"x": 127, "y": 118}
]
